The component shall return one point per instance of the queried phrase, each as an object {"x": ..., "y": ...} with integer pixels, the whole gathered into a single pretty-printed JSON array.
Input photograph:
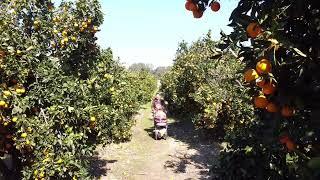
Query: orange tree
[
  {"x": 60, "y": 94},
  {"x": 205, "y": 89},
  {"x": 279, "y": 42},
  {"x": 144, "y": 75},
  {"x": 147, "y": 84}
]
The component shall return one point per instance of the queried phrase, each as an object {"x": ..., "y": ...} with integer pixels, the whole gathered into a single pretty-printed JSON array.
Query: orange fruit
[
  {"x": 253, "y": 30},
  {"x": 260, "y": 101},
  {"x": 74, "y": 39},
  {"x": 197, "y": 14},
  {"x": 92, "y": 119},
  {"x": 268, "y": 88},
  {"x": 284, "y": 139},
  {"x": 260, "y": 83},
  {"x": 29, "y": 129},
  {"x": 193, "y": 7},
  {"x": 56, "y": 19},
  {"x": 263, "y": 66},
  {"x": 24, "y": 135},
  {"x": 14, "y": 119},
  {"x": 89, "y": 21},
  {"x": 84, "y": 24},
  {"x": 64, "y": 33},
  {"x": 187, "y": 5},
  {"x": 272, "y": 107},
  {"x": 287, "y": 111},
  {"x": 250, "y": 75},
  {"x": 190, "y": 6},
  {"x": 62, "y": 41},
  {"x": 2, "y": 54},
  {"x": 41, "y": 175},
  {"x": 2, "y": 103},
  {"x": 14, "y": 81},
  {"x": 36, "y": 23},
  {"x": 215, "y": 6},
  {"x": 290, "y": 145}
]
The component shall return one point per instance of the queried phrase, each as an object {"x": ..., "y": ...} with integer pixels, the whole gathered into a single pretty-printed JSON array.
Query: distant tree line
[{"x": 157, "y": 71}]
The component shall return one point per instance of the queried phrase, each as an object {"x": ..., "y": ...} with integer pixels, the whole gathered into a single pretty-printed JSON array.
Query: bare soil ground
[{"x": 183, "y": 156}]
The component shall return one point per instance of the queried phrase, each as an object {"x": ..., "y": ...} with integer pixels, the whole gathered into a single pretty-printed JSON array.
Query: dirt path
[{"x": 182, "y": 156}]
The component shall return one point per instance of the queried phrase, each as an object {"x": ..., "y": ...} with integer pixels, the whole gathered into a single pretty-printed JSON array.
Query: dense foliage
[
  {"x": 207, "y": 90},
  {"x": 60, "y": 95},
  {"x": 281, "y": 60},
  {"x": 145, "y": 85}
]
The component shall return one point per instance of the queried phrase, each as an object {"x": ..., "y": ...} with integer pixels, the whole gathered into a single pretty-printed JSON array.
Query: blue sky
[{"x": 149, "y": 31}]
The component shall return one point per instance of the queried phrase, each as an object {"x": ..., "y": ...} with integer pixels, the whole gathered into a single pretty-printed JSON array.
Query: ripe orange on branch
[
  {"x": 215, "y": 6},
  {"x": 263, "y": 66},
  {"x": 268, "y": 88},
  {"x": 272, "y": 107},
  {"x": 250, "y": 75},
  {"x": 2, "y": 103},
  {"x": 283, "y": 139},
  {"x": 260, "y": 83},
  {"x": 197, "y": 14},
  {"x": 187, "y": 5},
  {"x": 260, "y": 101},
  {"x": 2, "y": 54},
  {"x": 254, "y": 30},
  {"x": 287, "y": 111},
  {"x": 190, "y": 6},
  {"x": 290, "y": 145}
]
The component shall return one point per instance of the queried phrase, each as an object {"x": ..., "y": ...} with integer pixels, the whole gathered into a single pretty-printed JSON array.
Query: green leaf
[
  {"x": 70, "y": 109},
  {"x": 17, "y": 110},
  {"x": 248, "y": 149}
]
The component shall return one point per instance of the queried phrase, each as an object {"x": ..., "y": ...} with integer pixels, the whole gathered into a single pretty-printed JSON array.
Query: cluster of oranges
[
  {"x": 87, "y": 25},
  {"x": 66, "y": 35},
  {"x": 8, "y": 90},
  {"x": 197, "y": 11},
  {"x": 6, "y": 121},
  {"x": 288, "y": 142},
  {"x": 264, "y": 79},
  {"x": 7, "y": 94},
  {"x": 24, "y": 144}
]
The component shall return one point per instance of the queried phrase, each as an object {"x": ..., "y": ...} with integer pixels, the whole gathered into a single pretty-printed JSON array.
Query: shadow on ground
[
  {"x": 201, "y": 151},
  {"x": 98, "y": 166}
]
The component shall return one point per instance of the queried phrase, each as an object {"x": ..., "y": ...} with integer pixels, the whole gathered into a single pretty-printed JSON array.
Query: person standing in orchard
[{"x": 158, "y": 103}]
